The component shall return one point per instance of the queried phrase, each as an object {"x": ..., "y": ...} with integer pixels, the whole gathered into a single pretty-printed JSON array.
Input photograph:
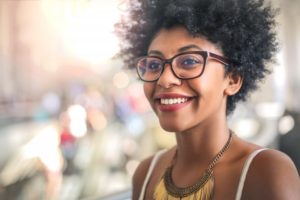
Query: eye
[
  {"x": 189, "y": 61},
  {"x": 153, "y": 65}
]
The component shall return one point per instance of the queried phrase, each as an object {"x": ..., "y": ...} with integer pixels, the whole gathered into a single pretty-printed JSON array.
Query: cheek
[
  {"x": 148, "y": 90},
  {"x": 212, "y": 80},
  {"x": 208, "y": 89}
]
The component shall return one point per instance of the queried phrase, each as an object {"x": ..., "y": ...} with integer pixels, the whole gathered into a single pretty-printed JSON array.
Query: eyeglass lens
[{"x": 184, "y": 66}]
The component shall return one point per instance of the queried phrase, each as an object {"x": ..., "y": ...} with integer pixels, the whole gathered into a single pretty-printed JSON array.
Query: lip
[{"x": 172, "y": 107}]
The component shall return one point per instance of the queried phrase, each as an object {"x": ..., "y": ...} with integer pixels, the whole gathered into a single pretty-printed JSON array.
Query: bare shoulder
[
  {"x": 139, "y": 177},
  {"x": 143, "y": 168},
  {"x": 272, "y": 175}
]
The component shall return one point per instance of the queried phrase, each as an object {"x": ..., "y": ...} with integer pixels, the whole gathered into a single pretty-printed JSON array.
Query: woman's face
[{"x": 182, "y": 105}]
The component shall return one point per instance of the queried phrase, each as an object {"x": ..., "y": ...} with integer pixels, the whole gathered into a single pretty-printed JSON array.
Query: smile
[{"x": 171, "y": 101}]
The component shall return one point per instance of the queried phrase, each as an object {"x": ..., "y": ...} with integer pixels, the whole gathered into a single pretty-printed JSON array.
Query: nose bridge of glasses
[
  {"x": 170, "y": 63},
  {"x": 167, "y": 62}
]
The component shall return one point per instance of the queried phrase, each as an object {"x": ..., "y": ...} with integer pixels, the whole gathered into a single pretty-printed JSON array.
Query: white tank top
[{"x": 241, "y": 182}]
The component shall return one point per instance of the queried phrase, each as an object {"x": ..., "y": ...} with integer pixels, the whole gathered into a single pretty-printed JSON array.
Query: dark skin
[
  {"x": 264, "y": 181},
  {"x": 201, "y": 131}
]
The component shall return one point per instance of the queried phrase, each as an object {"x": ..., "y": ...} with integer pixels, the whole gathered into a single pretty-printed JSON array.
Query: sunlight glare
[{"x": 85, "y": 27}]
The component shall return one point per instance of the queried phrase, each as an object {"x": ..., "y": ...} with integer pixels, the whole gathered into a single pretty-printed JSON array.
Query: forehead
[{"x": 169, "y": 41}]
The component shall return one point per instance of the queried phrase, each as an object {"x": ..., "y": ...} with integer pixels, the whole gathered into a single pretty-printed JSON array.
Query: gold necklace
[{"x": 203, "y": 189}]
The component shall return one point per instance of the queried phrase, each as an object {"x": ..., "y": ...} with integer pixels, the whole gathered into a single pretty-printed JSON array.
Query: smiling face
[{"x": 183, "y": 105}]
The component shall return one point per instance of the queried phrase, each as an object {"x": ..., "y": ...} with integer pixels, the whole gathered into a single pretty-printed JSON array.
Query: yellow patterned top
[{"x": 204, "y": 193}]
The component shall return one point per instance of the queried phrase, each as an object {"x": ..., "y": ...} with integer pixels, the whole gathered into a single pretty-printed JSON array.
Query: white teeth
[{"x": 173, "y": 101}]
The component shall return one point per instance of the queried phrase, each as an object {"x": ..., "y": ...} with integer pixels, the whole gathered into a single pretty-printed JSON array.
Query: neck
[{"x": 202, "y": 143}]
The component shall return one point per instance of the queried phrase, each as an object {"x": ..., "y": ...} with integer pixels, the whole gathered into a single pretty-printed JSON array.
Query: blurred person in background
[
  {"x": 67, "y": 144},
  {"x": 198, "y": 59}
]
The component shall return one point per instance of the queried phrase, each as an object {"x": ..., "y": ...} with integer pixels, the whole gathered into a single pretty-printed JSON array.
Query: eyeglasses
[{"x": 186, "y": 65}]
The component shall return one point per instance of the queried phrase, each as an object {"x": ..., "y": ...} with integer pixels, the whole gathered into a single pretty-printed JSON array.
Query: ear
[{"x": 235, "y": 83}]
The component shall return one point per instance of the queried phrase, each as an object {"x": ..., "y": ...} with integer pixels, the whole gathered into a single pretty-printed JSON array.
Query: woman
[{"x": 198, "y": 59}]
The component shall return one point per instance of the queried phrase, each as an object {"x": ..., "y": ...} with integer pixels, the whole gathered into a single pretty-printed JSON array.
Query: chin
[{"x": 171, "y": 127}]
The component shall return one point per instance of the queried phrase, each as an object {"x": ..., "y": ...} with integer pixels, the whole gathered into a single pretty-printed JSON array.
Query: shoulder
[
  {"x": 139, "y": 177},
  {"x": 141, "y": 171},
  {"x": 272, "y": 175}
]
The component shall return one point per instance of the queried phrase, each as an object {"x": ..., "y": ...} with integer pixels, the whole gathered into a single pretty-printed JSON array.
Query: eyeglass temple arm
[{"x": 221, "y": 59}]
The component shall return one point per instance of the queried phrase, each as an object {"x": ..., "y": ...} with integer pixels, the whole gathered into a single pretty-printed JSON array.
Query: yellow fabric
[{"x": 204, "y": 193}]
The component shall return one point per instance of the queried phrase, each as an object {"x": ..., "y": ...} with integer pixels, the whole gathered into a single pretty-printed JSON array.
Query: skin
[{"x": 201, "y": 130}]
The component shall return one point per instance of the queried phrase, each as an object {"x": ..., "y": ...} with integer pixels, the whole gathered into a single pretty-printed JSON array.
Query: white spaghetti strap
[
  {"x": 149, "y": 173},
  {"x": 245, "y": 171}
]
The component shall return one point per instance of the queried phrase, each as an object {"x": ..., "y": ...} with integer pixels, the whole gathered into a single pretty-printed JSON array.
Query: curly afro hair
[{"x": 243, "y": 29}]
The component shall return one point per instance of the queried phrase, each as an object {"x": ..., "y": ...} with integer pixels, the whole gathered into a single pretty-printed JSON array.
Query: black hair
[{"x": 243, "y": 29}]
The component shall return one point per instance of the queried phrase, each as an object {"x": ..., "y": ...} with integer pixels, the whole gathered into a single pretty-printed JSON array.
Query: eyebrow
[
  {"x": 188, "y": 47},
  {"x": 180, "y": 50},
  {"x": 155, "y": 53}
]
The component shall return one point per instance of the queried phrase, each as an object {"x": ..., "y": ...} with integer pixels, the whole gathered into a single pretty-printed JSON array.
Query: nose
[{"x": 168, "y": 78}]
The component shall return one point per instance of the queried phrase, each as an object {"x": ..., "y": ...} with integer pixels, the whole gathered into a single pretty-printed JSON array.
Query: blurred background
[{"x": 74, "y": 124}]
